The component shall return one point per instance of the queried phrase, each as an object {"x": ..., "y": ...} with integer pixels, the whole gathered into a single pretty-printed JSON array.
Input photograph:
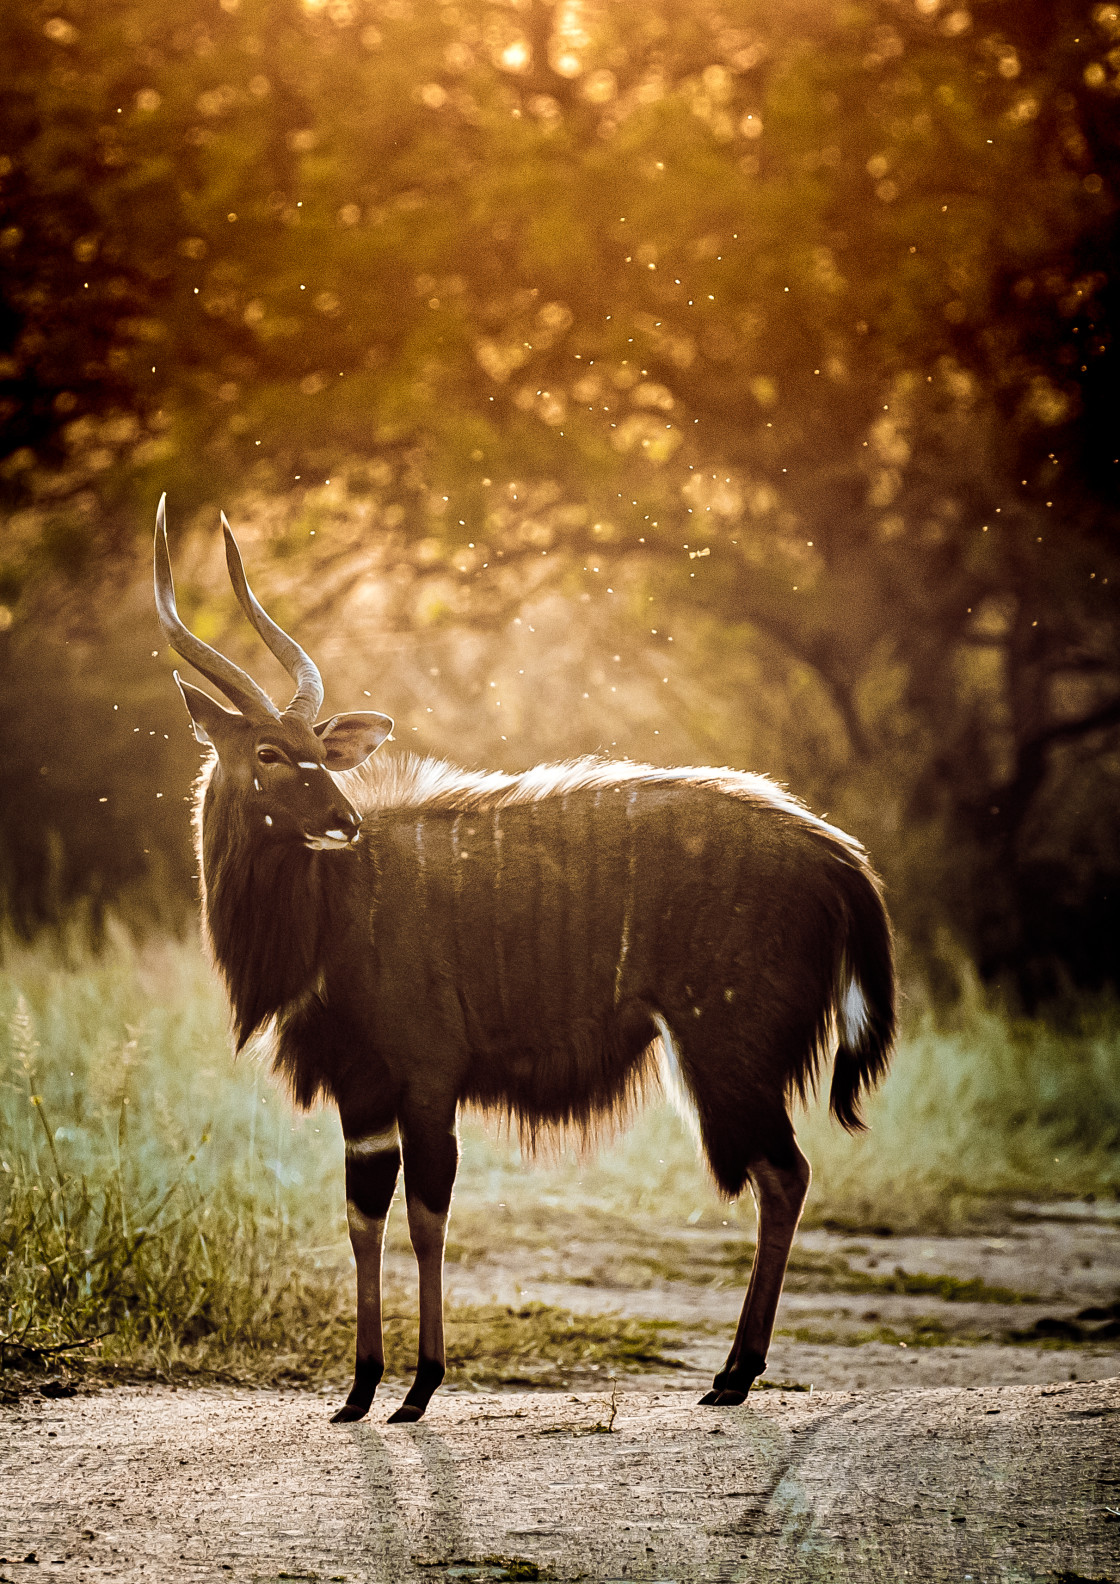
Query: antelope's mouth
[{"x": 333, "y": 839}]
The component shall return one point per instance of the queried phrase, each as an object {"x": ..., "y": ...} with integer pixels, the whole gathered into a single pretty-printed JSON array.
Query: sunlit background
[
  {"x": 725, "y": 382},
  {"x": 698, "y": 382}
]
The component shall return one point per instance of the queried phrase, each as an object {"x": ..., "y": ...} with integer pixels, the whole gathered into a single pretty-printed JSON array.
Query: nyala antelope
[{"x": 545, "y": 946}]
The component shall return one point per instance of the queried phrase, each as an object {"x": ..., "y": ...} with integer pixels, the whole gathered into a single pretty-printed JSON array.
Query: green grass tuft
[
  {"x": 977, "y": 1108},
  {"x": 539, "y": 1344},
  {"x": 163, "y": 1209}
]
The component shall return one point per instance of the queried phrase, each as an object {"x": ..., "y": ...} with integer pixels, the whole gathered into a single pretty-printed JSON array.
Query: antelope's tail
[{"x": 865, "y": 997}]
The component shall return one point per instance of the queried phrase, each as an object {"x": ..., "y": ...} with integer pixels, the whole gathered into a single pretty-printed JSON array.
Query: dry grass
[{"x": 167, "y": 1202}]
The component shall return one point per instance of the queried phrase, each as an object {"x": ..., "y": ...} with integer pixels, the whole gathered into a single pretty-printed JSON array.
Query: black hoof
[
  {"x": 429, "y": 1375},
  {"x": 407, "y": 1413},
  {"x": 734, "y": 1381},
  {"x": 367, "y": 1378},
  {"x": 349, "y": 1412}
]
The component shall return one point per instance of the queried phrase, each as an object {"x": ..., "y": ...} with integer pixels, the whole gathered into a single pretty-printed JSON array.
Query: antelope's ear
[
  {"x": 350, "y": 739},
  {"x": 209, "y": 719}
]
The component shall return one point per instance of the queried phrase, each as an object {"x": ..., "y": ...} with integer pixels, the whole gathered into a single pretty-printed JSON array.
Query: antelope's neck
[{"x": 263, "y": 909}]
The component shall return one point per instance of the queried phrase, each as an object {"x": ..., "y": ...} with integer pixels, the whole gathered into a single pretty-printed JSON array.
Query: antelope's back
[{"x": 552, "y": 903}]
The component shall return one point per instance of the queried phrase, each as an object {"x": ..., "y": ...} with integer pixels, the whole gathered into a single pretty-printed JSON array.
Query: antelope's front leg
[
  {"x": 372, "y": 1164},
  {"x": 431, "y": 1159}
]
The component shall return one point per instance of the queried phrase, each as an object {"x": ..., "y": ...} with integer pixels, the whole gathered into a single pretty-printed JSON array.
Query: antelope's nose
[{"x": 345, "y": 826}]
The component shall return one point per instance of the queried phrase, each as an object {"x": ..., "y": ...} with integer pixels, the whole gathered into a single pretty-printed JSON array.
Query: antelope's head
[{"x": 276, "y": 761}]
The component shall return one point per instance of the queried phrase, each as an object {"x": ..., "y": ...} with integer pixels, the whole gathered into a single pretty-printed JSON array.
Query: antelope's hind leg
[
  {"x": 431, "y": 1159},
  {"x": 372, "y": 1164},
  {"x": 780, "y": 1182}
]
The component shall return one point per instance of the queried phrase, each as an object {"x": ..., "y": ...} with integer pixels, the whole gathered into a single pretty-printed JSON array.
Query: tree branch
[
  {"x": 1097, "y": 720},
  {"x": 1010, "y": 803},
  {"x": 494, "y": 607}
]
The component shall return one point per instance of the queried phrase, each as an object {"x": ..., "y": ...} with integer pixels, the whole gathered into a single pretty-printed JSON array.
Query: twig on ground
[
  {"x": 608, "y": 1427},
  {"x": 17, "y": 1345}
]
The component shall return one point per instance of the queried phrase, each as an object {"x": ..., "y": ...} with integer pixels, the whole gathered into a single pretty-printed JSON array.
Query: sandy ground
[
  {"x": 1014, "y": 1483},
  {"x": 1057, "y": 1261},
  {"x": 971, "y": 1460}
]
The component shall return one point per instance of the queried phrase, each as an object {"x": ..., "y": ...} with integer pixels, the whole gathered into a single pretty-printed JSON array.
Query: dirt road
[
  {"x": 1016, "y": 1483},
  {"x": 868, "y": 1312},
  {"x": 964, "y": 1426}
]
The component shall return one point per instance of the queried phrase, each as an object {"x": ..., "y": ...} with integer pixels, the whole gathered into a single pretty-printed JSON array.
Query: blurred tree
[
  {"x": 92, "y": 781},
  {"x": 832, "y": 283}
]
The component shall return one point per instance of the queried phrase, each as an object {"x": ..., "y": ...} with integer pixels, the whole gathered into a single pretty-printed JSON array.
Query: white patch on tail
[
  {"x": 672, "y": 1078},
  {"x": 854, "y": 1015}
]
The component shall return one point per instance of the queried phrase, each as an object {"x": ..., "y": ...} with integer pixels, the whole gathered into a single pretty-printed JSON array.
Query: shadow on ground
[{"x": 1014, "y": 1483}]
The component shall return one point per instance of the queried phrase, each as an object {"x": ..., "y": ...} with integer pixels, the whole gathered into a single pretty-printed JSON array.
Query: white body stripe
[
  {"x": 628, "y": 904},
  {"x": 623, "y": 951},
  {"x": 499, "y": 955},
  {"x": 373, "y": 1143}
]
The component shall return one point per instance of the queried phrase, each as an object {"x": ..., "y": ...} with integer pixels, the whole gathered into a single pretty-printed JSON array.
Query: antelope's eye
[{"x": 269, "y": 756}]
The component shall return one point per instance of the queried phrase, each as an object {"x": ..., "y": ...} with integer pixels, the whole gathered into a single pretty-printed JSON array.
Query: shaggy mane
[{"x": 412, "y": 781}]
